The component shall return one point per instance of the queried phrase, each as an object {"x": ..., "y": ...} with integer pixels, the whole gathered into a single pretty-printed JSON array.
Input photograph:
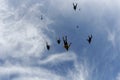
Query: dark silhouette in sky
[
  {"x": 47, "y": 46},
  {"x": 58, "y": 40},
  {"x": 41, "y": 17},
  {"x": 66, "y": 45},
  {"x": 74, "y": 6},
  {"x": 77, "y": 26},
  {"x": 89, "y": 39}
]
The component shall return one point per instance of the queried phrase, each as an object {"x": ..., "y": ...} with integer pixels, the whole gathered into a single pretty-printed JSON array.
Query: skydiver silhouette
[
  {"x": 77, "y": 26},
  {"x": 47, "y": 46},
  {"x": 58, "y": 40},
  {"x": 41, "y": 17},
  {"x": 89, "y": 39},
  {"x": 66, "y": 45},
  {"x": 75, "y": 6}
]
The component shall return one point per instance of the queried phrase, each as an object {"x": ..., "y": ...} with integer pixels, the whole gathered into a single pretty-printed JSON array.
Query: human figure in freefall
[{"x": 66, "y": 44}]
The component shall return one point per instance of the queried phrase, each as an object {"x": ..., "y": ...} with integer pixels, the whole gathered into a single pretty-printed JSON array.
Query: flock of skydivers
[{"x": 65, "y": 41}]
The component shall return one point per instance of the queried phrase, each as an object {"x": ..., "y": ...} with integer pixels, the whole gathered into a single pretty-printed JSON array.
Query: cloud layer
[
  {"x": 23, "y": 35},
  {"x": 22, "y": 43}
]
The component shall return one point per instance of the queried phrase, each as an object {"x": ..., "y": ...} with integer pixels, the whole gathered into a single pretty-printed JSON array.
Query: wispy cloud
[
  {"x": 117, "y": 77},
  {"x": 82, "y": 72},
  {"x": 59, "y": 57},
  {"x": 22, "y": 30},
  {"x": 112, "y": 38},
  {"x": 23, "y": 35},
  {"x": 38, "y": 73},
  {"x": 28, "y": 73}
]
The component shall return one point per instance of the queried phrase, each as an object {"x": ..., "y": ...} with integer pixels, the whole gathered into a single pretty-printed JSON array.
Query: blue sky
[{"x": 23, "y": 35}]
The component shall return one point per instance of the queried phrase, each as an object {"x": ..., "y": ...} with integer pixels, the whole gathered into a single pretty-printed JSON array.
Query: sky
[{"x": 23, "y": 37}]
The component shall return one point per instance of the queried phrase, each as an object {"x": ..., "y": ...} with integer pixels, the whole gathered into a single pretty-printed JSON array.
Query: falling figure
[
  {"x": 47, "y": 46},
  {"x": 89, "y": 39},
  {"x": 66, "y": 45},
  {"x": 77, "y": 26},
  {"x": 41, "y": 17},
  {"x": 58, "y": 40},
  {"x": 75, "y": 6}
]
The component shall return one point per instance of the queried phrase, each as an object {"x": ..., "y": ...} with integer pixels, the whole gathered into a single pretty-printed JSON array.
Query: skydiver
[
  {"x": 89, "y": 39},
  {"x": 47, "y": 46},
  {"x": 75, "y": 6},
  {"x": 66, "y": 45},
  {"x": 77, "y": 26},
  {"x": 58, "y": 40},
  {"x": 41, "y": 17}
]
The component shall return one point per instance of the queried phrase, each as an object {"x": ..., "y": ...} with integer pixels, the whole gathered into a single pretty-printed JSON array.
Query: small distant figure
[
  {"x": 77, "y": 26},
  {"x": 89, "y": 39},
  {"x": 74, "y": 6},
  {"x": 79, "y": 9},
  {"x": 58, "y": 41},
  {"x": 47, "y": 46},
  {"x": 41, "y": 17},
  {"x": 66, "y": 45}
]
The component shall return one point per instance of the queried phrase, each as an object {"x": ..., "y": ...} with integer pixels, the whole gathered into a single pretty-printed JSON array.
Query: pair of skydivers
[
  {"x": 65, "y": 41},
  {"x": 66, "y": 44},
  {"x": 74, "y": 6}
]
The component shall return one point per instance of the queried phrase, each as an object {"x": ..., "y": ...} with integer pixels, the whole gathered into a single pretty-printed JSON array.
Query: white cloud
[
  {"x": 112, "y": 38},
  {"x": 82, "y": 72},
  {"x": 21, "y": 30},
  {"x": 59, "y": 57},
  {"x": 28, "y": 73},
  {"x": 22, "y": 36},
  {"x": 118, "y": 76},
  {"x": 38, "y": 73}
]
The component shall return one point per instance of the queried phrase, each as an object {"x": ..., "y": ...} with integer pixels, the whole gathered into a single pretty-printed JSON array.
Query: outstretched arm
[
  {"x": 91, "y": 35},
  {"x": 70, "y": 44},
  {"x": 76, "y": 5},
  {"x": 66, "y": 38},
  {"x": 63, "y": 39},
  {"x": 73, "y": 4}
]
